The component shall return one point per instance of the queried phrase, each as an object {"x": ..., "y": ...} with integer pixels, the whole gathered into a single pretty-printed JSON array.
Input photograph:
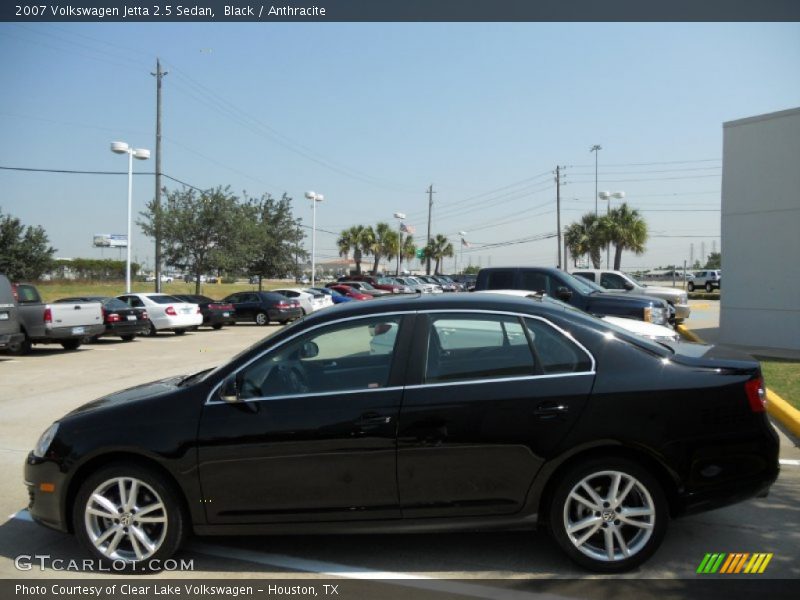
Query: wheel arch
[
  {"x": 85, "y": 470},
  {"x": 638, "y": 455}
]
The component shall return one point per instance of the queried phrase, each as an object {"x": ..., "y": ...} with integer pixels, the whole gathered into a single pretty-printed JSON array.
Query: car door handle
[
  {"x": 373, "y": 419},
  {"x": 550, "y": 409}
]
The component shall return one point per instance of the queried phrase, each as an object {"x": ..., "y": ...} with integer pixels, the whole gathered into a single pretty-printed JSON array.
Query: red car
[
  {"x": 379, "y": 283},
  {"x": 349, "y": 291}
]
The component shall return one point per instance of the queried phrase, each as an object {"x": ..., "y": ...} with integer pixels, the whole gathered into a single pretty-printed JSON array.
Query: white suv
[{"x": 706, "y": 279}]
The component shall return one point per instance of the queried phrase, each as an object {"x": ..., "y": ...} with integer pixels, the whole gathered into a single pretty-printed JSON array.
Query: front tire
[
  {"x": 608, "y": 514},
  {"x": 690, "y": 286},
  {"x": 21, "y": 348},
  {"x": 709, "y": 287},
  {"x": 127, "y": 337},
  {"x": 216, "y": 326},
  {"x": 262, "y": 318},
  {"x": 129, "y": 513}
]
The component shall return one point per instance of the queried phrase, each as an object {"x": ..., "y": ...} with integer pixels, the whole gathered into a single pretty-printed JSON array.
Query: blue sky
[{"x": 371, "y": 114}]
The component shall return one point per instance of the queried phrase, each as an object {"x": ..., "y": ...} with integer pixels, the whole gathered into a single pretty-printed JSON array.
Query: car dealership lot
[{"x": 39, "y": 388}]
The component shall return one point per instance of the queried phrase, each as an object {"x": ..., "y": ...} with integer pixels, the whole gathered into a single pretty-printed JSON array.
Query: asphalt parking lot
[{"x": 38, "y": 388}]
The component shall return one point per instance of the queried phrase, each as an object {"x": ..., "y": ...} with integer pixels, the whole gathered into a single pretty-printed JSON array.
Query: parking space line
[
  {"x": 351, "y": 572},
  {"x": 789, "y": 462}
]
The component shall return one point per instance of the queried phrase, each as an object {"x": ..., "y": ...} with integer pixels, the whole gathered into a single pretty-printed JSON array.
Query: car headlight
[
  {"x": 656, "y": 315},
  {"x": 43, "y": 445}
]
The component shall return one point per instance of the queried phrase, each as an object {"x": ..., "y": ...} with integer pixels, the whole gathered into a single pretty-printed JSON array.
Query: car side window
[
  {"x": 612, "y": 281},
  {"x": 467, "y": 347},
  {"x": 501, "y": 280},
  {"x": 351, "y": 356},
  {"x": 554, "y": 351},
  {"x": 535, "y": 282}
]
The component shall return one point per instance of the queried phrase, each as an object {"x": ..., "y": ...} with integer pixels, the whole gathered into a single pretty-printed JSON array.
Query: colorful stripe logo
[{"x": 734, "y": 563}]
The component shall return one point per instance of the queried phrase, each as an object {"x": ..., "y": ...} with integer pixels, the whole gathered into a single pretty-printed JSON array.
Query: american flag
[
  {"x": 464, "y": 242},
  {"x": 407, "y": 228}
]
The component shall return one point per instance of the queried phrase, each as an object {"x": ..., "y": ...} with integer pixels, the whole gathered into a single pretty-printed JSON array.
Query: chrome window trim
[
  {"x": 569, "y": 336},
  {"x": 394, "y": 388}
]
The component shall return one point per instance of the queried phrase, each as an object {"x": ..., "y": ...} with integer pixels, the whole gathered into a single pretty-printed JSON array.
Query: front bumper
[
  {"x": 682, "y": 311},
  {"x": 46, "y": 507}
]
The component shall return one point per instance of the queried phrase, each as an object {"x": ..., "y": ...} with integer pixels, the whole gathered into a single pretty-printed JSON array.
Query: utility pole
[
  {"x": 596, "y": 149},
  {"x": 558, "y": 213},
  {"x": 430, "y": 208},
  {"x": 157, "y": 203}
]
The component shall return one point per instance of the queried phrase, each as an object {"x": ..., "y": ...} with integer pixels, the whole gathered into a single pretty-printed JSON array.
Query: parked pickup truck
[
  {"x": 9, "y": 317},
  {"x": 578, "y": 292},
  {"x": 63, "y": 323}
]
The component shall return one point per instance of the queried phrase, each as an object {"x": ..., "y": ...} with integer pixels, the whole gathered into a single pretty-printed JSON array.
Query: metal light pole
[
  {"x": 141, "y": 154},
  {"x": 596, "y": 149},
  {"x": 461, "y": 234},
  {"x": 607, "y": 196},
  {"x": 400, "y": 216},
  {"x": 314, "y": 197}
]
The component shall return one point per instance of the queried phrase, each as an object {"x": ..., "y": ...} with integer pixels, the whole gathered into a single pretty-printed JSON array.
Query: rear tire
[
  {"x": 127, "y": 338},
  {"x": 709, "y": 287},
  {"x": 153, "y": 331},
  {"x": 150, "y": 525},
  {"x": 179, "y": 331},
  {"x": 21, "y": 348},
  {"x": 217, "y": 326},
  {"x": 690, "y": 286},
  {"x": 608, "y": 514},
  {"x": 71, "y": 344},
  {"x": 262, "y": 318}
]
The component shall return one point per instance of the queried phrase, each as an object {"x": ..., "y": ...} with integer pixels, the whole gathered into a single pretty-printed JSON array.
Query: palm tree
[
  {"x": 626, "y": 230},
  {"x": 357, "y": 239},
  {"x": 384, "y": 243},
  {"x": 586, "y": 236},
  {"x": 437, "y": 249}
]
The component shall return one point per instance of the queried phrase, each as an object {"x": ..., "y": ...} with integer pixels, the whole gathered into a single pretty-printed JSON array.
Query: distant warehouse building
[{"x": 760, "y": 304}]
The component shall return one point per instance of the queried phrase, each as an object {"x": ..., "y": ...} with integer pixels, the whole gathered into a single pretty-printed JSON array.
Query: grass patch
[
  {"x": 783, "y": 378},
  {"x": 51, "y": 291}
]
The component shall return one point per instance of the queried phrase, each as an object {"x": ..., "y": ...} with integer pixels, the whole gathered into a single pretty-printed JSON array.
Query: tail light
[
  {"x": 756, "y": 394},
  {"x": 144, "y": 316},
  {"x": 113, "y": 318},
  {"x": 171, "y": 311},
  {"x": 48, "y": 315},
  {"x": 283, "y": 304},
  {"x": 198, "y": 311}
]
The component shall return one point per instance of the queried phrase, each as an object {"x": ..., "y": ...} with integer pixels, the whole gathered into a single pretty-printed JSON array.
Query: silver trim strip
[{"x": 568, "y": 335}]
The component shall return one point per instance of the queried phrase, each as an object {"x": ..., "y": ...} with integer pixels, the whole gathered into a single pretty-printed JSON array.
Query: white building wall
[{"x": 760, "y": 304}]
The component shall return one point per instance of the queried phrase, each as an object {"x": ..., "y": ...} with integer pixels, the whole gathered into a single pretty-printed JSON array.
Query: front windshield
[
  {"x": 635, "y": 280},
  {"x": 385, "y": 281},
  {"x": 365, "y": 285},
  {"x": 584, "y": 285}
]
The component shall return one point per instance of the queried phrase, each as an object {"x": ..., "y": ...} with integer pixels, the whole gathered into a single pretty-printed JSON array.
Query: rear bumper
[
  {"x": 58, "y": 334},
  {"x": 127, "y": 328},
  {"x": 11, "y": 338},
  {"x": 285, "y": 314},
  {"x": 219, "y": 318}
]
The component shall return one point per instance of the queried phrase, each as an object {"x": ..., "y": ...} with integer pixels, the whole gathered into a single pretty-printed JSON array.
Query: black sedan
[
  {"x": 119, "y": 318},
  {"x": 434, "y": 413},
  {"x": 263, "y": 307},
  {"x": 215, "y": 313}
]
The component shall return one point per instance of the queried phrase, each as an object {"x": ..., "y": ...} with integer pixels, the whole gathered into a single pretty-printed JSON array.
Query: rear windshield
[{"x": 164, "y": 299}]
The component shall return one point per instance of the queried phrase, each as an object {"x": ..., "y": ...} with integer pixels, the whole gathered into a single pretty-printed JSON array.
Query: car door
[
  {"x": 483, "y": 411},
  {"x": 314, "y": 435}
]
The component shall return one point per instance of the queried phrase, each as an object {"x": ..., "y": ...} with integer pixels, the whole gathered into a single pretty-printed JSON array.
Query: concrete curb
[{"x": 779, "y": 408}]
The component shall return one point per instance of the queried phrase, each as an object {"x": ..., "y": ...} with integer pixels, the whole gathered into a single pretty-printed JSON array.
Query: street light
[
  {"x": 596, "y": 149},
  {"x": 607, "y": 196},
  {"x": 461, "y": 234},
  {"x": 400, "y": 216},
  {"x": 141, "y": 154},
  {"x": 314, "y": 197}
]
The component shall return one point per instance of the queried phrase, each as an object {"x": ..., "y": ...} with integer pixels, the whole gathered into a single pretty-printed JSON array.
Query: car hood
[
  {"x": 139, "y": 393},
  {"x": 657, "y": 289},
  {"x": 631, "y": 299}
]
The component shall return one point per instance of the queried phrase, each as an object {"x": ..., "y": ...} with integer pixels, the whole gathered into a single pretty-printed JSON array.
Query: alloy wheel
[
  {"x": 609, "y": 516},
  {"x": 126, "y": 519}
]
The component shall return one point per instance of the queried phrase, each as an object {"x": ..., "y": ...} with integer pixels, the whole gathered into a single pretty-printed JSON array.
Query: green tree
[
  {"x": 384, "y": 243},
  {"x": 25, "y": 253},
  {"x": 358, "y": 240},
  {"x": 438, "y": 249},
  {"x": 472, "y": 270},
  {"x": 200, "y": 231},
  {"x": 585, "y": 237},
  {"x": 271, "y": 238},
  {"x": 625, "y": 229},
  {"x": 714, "y": 261}
]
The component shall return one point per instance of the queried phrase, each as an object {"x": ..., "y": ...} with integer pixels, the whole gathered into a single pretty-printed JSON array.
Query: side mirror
[
  {"x": 309, "y": 350},
  {"x": 628, "y": 286},
  {"x": 563, "y": 293},
  {"x": 229, "y": 390}
]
